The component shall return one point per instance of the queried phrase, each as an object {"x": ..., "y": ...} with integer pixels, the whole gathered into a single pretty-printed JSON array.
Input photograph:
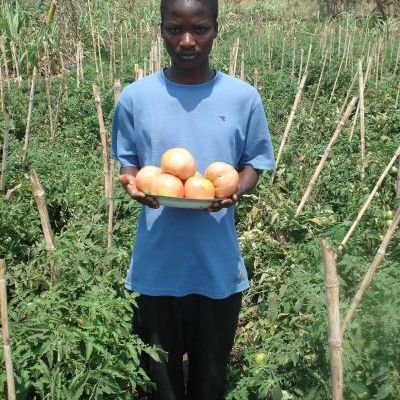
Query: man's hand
[
  {"x": 128, "y": 181},
  {"x": 224, "y": 203}
]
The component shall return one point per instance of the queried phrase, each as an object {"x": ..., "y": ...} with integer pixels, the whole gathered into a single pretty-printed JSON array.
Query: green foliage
[{"x": 69, "y": 314}]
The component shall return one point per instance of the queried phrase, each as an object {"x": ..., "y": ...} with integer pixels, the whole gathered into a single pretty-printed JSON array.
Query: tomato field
[{"x": 331, "y": 91}]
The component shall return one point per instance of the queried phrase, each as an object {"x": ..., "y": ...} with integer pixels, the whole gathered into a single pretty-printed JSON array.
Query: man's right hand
[{"x": 128, "y": 182}]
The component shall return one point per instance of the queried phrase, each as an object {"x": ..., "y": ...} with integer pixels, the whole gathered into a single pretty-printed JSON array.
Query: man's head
[
  {"x": 189, "y": 28},
  {"x": 212, "y": 5}
]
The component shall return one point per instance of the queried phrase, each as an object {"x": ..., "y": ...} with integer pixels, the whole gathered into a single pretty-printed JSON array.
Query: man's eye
[
  {"x": 201, "y": 29},
  {"x": 173, "y": 29}
]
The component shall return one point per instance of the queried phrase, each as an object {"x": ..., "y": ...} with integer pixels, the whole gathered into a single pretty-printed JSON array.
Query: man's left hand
[{"x": 224, "y": 203}]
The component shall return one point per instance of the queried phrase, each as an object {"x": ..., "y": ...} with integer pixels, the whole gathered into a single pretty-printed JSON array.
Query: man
[{"x": 186, "y": 264}]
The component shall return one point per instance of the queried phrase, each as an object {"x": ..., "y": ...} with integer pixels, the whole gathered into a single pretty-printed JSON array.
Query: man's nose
[{"x": 187, "y": 40}]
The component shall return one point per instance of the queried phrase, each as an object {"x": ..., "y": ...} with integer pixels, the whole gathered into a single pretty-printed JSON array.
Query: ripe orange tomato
[
  {"x": 145, "y": 178},
  {"x": 167, "y": 185},
  {"x": 197, "y": 187},
  {"x": 178, "y": 162},
  {"x": 224, "y": 177}
]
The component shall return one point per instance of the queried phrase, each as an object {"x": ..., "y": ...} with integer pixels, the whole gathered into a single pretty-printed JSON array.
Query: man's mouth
[{"x": 187, "y": 56}]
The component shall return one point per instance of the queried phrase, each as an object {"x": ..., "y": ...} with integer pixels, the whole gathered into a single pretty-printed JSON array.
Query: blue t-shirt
[{"x": 182, "y": 251}]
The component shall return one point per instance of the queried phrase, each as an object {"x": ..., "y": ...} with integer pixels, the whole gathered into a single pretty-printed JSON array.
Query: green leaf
[
  {"x": 89, "y": 349},
  {"x": 277, "y": 393}
]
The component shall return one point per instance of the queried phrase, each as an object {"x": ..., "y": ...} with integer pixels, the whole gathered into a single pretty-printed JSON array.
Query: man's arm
[{"x": 128, "y": 182}]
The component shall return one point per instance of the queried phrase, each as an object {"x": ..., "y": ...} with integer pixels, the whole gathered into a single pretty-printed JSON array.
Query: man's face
[{"x": 188, "y": 30}]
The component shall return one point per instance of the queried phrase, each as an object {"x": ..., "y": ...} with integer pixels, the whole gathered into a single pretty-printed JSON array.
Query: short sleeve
[
  {"x": 258, "y": 151},
  {"x": 123, "y": 146}
]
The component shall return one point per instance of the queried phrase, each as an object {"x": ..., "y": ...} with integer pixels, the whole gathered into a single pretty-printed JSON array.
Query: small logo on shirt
[{"x": 222, "y": 117}]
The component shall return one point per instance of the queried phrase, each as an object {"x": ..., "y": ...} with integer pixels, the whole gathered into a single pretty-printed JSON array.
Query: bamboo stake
[
  {"x": 117, "y": 90},
  {"x": 29, "y": 117},
  {"x": 81, "y": 60},
  {"x": 369, "y": 66},
  {"x": 6, "y": 333},
  {"x": 384, "y": 48},
  {"x": 255, "y": 78},
  {"x": 242, "y": 76},
  {"x": 301, "y": 65},
  {"x": 369, "y": 199},
  {"x": 362, "y": 118},
  {"x": 308, "y": 59},
  {"x": 349, "y": 43},
  {"x": 160, "y": 53},
  {"x": 11, "y": 191},
  {"x": 289, "y": 123},
  {"x": 112, "y": 56},
  {"x": 331, "y": 36},
  {"x": 332, "y": 305},
  {"x": 93, "y": 40},
  {"x": 283, "y": 53},
  {"x": 110, "y": 230},
  {"x": 151, "y": 59},
  {"x": 353, "y": 81},
  {"x": 1, "y": 90},
  {"x": 40, "y": 198},
  {"x": 319, "y": 82},
  {"x": 104, "y": 141},
  {"x": 293, "y": 59},
  {"x": 336, "y": 79},
  {"x": 325, "y": 156},
  {"x": 377, "y": 63},
  {"x": 64, "y": 80},
  {"x": 139, "y": 74},
  {"x": 5, "y": 62},
  {"x": 78, "y": 68},
  {"x": 47, "y": 86},
  {"x": 5, "y": 145},
  {"x": 59, "y": 100},
  {"x": 110, "y": 207},
  {"x": 270, "y": 53},
  {"x": 397, "y": 59},
  {"x": 121, "y": 50},
  {"x": 370, "y": 274},
  {"x": 27, "y": 65},
  {"x": 100, "y": 60},
  {"x": 235, "y": 56},
  {"x": 15, "y": 61},
  {"x": 398, "y": 183}
]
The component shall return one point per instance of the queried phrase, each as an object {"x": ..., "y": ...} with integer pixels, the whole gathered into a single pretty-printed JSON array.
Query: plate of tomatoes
[{"x": 178, "y": 183}]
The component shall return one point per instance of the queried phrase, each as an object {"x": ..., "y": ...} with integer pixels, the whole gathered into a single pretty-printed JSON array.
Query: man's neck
[{"x": 189, "y": 77}]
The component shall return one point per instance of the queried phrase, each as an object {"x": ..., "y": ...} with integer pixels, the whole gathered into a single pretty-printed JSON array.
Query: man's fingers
[
  {"x": 126, "y": 179},
  {"x": 218, "y": 205}
]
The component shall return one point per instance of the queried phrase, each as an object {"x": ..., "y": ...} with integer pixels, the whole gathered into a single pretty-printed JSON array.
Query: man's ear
[
  {"x": 162, "y": 29},
  {"x": 215, "y": 29}
]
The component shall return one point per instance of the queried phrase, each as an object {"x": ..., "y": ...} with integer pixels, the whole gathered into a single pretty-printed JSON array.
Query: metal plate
[{"x": 179, "y": 202}]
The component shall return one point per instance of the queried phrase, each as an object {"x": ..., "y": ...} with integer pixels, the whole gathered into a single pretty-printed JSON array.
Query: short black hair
[{"x": 213, "y": 4}]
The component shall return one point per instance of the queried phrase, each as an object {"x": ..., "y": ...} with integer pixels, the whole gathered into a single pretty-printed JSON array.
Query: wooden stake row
[
  {"x": 324, "y": 157},
  {"x": 375, "y": 264},
  {"x": 369, "y": 199}
]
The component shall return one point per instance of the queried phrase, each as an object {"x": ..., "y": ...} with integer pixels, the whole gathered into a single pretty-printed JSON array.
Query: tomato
[
  {"x": 224, "y": 177},
  {"x": 260, "y": 358},
  {"x": 389, "y": 214},
  {"x": 178, "y": 162}
]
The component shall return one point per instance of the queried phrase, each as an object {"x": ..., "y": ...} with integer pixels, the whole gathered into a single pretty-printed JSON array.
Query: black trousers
[{"x": 203, "y": 328}]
